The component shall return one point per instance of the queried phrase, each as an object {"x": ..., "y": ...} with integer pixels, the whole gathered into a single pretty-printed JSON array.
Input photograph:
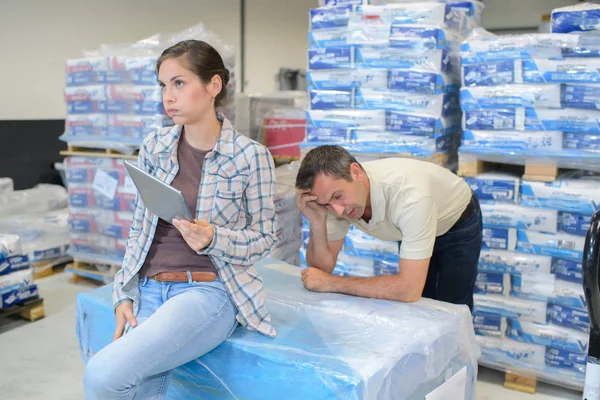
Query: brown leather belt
[{"x": 183, "y": 277}]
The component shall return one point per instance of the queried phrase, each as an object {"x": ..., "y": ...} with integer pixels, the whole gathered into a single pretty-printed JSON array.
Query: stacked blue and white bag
[
  {"x": 383, "y": 79},
  {"x": 529, "y": 307},
  {"x": 533, "y": 96},
  {"x": 112, "y": 94},
  {"x": 362, "y": 255},
  {"x": 16, "y": 274}
]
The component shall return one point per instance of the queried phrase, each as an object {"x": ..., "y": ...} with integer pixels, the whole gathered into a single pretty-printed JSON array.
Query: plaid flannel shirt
[{"x": 236, "y": 196}]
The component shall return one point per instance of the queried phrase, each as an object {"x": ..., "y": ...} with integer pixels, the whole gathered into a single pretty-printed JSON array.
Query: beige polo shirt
[{"x": 412, "y": 201}]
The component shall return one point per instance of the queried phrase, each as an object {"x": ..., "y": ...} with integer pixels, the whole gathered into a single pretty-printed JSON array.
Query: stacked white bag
[
  {"x": 383, "y": 78},
  {"x": 528, "y": 293},
  {"x": 112, "y": 94},
  {"x": 16, "y": 274}
]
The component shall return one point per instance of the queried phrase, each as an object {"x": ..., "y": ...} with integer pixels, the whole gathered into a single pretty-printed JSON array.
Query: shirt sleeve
[
  {"x": 337, "y": 228},
  {"x": 418, "y": 223}
]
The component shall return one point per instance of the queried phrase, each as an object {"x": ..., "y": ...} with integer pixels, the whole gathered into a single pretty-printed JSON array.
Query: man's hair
[{"x": 333, "y": 161}]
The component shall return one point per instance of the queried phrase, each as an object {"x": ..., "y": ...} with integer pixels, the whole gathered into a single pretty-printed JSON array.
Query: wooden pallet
[
  {"x": 42, "y": 269},
  {"x": 542, "y": 173},
  {"x": 90, "y": 152},
  {"x": 526, "y": 384},
  {"x": 89, "y": 272},
  {"x": 31, "y": 310}
]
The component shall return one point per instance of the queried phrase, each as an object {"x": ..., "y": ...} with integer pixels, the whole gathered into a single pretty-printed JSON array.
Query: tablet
[{"x": 161, "y": 199}]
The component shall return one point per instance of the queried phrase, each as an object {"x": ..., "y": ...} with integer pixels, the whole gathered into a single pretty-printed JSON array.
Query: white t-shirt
[{"x": 412, "y": 201}]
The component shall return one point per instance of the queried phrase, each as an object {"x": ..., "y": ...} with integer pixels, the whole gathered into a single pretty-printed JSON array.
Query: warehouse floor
[{"x": 40, "y": 360}]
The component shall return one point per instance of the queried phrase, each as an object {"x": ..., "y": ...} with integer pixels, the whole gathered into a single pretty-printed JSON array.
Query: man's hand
[
  {"x": 124, "y": 314},
  {"x": 197, "y": 235},
  {"x": 307, "y": 205},
  {"x": 317, "y": 280}
]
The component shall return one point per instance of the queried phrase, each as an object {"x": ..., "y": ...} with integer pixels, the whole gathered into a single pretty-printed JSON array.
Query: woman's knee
[{"x": 102, "y": 379}]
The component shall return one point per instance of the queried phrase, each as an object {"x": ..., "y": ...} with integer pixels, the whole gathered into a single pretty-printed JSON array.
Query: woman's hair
[{"x": 203, "y": 60}]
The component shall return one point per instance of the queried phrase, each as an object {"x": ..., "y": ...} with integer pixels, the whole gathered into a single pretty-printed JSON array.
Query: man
[{"x": 431, "y": 212}]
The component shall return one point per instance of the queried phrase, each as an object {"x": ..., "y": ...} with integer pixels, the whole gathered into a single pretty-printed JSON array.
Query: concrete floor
[{"x": 40, "y": 360}]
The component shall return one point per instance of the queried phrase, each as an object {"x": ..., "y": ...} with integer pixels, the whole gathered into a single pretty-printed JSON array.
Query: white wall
[
  {"x": 511, "y": 14},
  {"x": 37, "y": 36},
  {"x": 276, "y": 36}
]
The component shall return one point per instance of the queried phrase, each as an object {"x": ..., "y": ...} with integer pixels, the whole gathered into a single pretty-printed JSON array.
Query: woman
[{"x": 184, "y": 286}]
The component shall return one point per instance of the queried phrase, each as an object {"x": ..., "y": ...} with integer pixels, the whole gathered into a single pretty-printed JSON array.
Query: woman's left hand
[{"x": 197, "y": 235}]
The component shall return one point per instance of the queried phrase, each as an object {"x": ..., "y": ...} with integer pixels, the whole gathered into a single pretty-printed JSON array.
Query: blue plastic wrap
[
  {"x": 502, "y": 140},
  {"x": 499, "y": 238},
  {"x": 337, "y": 346},
  {"x": 580, "y": 196},
  {"x": 501, "y": 215},
  {"x": 492, "y": 283},
  {"x": 483, "y": 47},
  {"x": 533, "y": 119},
  {"x": 567, "y": 270},
  {"x": 576, "y": 18},
  {"x": 510, "y": 96},
  {"x": 512, "y": 262},
  {"x": 491, "y": 186},
  {"x": 560, "y": 245}
]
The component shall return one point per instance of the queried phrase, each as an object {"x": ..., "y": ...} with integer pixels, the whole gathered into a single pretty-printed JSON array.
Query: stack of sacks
[
  {"x": 383, "y": 79},
  {"x": 101, "y": 205},
  {"x": 531, "y": 96},
  {"x": 528, "y": 293},
  {"x": 16, "y": 274},
  {"x": 289, "y": 222},
  {"x": 577, "y": 18},
  {"x": 112, "y": 94},
  {"x": 362, "y": 255},
  {"x": 39, "y": 217}
]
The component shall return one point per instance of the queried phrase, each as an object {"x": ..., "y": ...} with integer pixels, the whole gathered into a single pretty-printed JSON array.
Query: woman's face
[{"x": 186, "y": 98}]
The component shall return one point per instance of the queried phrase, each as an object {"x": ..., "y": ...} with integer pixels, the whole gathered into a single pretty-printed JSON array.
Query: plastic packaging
[
  {"x": 12, "y": 257},
  {"x": 44, "y": 236},
  {"x": 512, "y": 262},
  {"x": 510, "y": 96},
  {"x": 499, "y": 238},
  {"x": 112, "y": 94},
  {"x": 492, "y": 283},
  {"x": 533, "y": 119},
  {"x": 576, "y": 18},
  {"x": 492, "y": 186},
  {"x": 566, "y": 194},
  {"x": 513, "y": 216},
  {"x": 39, "y": 199},
  {"x": 512, "y": 140},
  {"x": 557, "y": 245},
  {"x": 101, "y": 201},
  {"x": 436, "y": 342}
]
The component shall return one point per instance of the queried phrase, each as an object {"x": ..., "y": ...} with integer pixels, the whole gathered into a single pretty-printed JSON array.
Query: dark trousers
[{"x": 453, "y": 266}]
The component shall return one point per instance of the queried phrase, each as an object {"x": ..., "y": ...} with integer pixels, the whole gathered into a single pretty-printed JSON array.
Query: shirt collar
[
  {"x": 377, "y": 196},
  {"x": 224, "y": 145}
]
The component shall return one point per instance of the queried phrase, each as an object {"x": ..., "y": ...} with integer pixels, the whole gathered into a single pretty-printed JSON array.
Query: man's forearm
[
  {"x": 318, "y": 254},
  {"x": 377, "y": 287}
]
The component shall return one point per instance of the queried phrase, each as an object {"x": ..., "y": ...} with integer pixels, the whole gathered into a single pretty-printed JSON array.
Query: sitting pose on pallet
[
  {"x": 184, "y": 286},
  {"x": 431, "y": 212}
]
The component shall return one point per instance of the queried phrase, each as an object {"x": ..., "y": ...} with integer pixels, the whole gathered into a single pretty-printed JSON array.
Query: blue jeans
[
  {"x": 453, "y": 266},
  {"x": 177, "y": 323}
]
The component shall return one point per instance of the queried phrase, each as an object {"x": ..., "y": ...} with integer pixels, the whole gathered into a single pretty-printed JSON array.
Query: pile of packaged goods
[
  {"x": 383, "y": 79},
  {"x": 101, "y": 205},
  {"x": 529, "y": 307},
  {"x": 289, "y": 223},
  {"x": 362, "y": 255},
  {"x": 531, "y": 98},
  {"x": 16, "y": 274},
  {"x": 39, "y": 217},
  {"x": 112, "y": 94}
]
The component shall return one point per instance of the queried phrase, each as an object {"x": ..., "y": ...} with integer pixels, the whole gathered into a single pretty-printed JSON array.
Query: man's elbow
[{"x": 411, "y": 297}]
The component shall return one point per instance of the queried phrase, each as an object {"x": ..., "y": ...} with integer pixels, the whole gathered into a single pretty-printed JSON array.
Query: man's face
[{"x": 341, "y": 197}]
